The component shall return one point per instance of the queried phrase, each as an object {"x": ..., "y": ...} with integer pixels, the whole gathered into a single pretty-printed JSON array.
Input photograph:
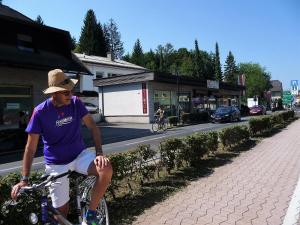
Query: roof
[
  {"x": 27, "y": 44},
  {"x": 159, "y": 77},
  {"x": 108, "y": 62},
  {"x": 124, "y": 79},
  {"x": 276, "y": 86},
  {"x": 9, "y": 12}
]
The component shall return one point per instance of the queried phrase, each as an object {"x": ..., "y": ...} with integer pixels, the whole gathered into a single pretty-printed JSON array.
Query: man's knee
[{"x": 105, "y": 172}]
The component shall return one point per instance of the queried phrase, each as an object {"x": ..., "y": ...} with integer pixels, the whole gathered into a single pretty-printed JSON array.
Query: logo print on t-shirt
[{"x": 64, "y": 121}]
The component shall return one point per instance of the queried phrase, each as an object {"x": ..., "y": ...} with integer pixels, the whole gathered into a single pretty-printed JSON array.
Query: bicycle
[
  {"x": 83, "y": 186},
  {"x": 159, "y": 125}
]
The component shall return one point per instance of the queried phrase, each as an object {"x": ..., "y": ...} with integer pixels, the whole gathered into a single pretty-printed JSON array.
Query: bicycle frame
[{"x": 51, "y": 215}]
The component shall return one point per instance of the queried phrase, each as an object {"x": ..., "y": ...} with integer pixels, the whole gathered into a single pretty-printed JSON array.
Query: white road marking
[
  {"x": 19, "y": 167},
  {"x": 292, "y": 214},
  {"x": 137, "y": 142}
]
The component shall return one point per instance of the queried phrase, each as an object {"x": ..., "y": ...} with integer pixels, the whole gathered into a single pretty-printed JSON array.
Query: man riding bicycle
[
  {"x": 160, "y": 113},
  {"x": 58, "y": 121}
]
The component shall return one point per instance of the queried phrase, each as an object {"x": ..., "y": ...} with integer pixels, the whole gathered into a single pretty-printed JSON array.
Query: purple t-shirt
[{"x": 60, "y": 130}]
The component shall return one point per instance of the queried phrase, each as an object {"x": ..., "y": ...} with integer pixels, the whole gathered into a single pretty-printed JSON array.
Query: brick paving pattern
[{"x": 255, "y": 189}]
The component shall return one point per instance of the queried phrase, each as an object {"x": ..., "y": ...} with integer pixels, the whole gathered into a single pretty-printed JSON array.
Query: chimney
[{"x": 110, "y": 56}]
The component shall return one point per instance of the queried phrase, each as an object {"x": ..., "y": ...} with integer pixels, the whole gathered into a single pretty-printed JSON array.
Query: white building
[{"x": 103, "y": 67}]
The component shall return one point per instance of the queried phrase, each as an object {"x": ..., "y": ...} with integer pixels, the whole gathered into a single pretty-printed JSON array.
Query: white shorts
[{"x": 60, "y": 192}]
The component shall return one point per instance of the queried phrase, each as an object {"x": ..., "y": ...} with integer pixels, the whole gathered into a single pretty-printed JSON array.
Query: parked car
[
  {"x": 226, "y": 114},
  {"x": 258, "y": 110},
  {"x": 91, "y": 107}
]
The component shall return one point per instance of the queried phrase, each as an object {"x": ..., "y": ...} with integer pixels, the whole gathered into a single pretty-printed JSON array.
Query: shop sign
[
  {"x": 144, "y": 98},
  {"x": 214, "y": 84},
  {"x": 12, "y": 105}
]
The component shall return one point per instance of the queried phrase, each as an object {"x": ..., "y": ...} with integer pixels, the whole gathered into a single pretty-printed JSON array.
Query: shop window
[
  {"x": 99, "y": 74},
  {"x": 169, "y": 100},
  {"x": 14, "y": 100}
]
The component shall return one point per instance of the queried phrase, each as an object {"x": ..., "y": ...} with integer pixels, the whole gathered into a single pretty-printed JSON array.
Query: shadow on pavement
[{"x": 115, "y": 134}]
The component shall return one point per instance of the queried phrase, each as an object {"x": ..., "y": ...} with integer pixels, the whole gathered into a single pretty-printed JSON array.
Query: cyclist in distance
[
  {"x": 58, "y": 121},
  {"x": 161, "y": 114}
]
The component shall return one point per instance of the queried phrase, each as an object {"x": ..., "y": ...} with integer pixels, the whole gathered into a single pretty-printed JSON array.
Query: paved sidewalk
[{"x": 256, "y": 188}]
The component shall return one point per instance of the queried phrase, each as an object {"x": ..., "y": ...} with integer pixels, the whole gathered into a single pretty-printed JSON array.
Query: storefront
[{"x": 135, "y": 98}]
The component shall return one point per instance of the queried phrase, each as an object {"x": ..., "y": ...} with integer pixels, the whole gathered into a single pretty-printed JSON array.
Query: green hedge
[{"x": 233, "y": 136}]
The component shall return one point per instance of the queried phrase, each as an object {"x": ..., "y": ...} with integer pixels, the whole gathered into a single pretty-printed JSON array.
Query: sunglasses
[{"x": 65, "y": 93}]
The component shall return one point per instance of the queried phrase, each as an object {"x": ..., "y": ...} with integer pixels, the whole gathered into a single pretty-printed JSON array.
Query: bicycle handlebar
[{"x": 43, "y": 184}]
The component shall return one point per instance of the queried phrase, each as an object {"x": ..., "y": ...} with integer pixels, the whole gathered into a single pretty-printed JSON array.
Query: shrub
[
  {"x": 146, "y": 163},
  {"x": 260, "y": 125},
  {"x": 233, "y": 136},
  {"x": 169, "y": 151},
  {"x": 195, "y": 148},
  {"x": 16, "y": 214}
]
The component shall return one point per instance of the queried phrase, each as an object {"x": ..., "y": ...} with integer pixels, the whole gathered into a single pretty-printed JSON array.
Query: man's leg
[
  {"x": 103, "y": 178},
  {"x": 63, "y": 210}
]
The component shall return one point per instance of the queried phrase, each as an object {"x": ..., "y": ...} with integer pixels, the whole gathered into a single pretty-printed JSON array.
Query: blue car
[{"x": 226, "y": 114}]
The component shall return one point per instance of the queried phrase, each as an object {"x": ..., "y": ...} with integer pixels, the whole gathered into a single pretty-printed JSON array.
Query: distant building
[{"x": 276, "y": 90}]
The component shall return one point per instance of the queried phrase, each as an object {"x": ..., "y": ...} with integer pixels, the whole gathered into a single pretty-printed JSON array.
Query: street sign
[
  {"x": 287, "y": 98},
  {"x": 294, "y": 87}
]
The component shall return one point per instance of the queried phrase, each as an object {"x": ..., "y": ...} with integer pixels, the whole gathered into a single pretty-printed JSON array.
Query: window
[
  {"x": 99, "y": 74},
  {"x": 24, "y": 43}
]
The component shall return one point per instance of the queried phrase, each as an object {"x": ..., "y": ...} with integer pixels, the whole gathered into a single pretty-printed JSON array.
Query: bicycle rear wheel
[{"x": 102, "y": 210}]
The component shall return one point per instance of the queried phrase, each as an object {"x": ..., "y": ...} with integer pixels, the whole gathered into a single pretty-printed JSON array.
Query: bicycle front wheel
[
  {"x": 102, "y": 210},
  {"x": 155, "y": 127}
]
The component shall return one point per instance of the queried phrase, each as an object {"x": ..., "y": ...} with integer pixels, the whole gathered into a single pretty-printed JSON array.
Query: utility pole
[{"x": 177, "y": 84}]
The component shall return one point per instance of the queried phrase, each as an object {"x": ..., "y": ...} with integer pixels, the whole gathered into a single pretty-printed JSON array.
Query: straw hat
[{"x": 58, "y": 81}]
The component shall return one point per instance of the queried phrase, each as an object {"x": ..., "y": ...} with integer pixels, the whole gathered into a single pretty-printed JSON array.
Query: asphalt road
[{"x": 116, "y": 138}]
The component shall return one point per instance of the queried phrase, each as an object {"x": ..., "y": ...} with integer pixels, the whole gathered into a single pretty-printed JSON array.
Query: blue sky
[{"x": 259, "y": 31}]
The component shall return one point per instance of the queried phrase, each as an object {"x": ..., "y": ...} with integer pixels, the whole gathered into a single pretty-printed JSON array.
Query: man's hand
[
  {"x": 101, "y": 161},
  {"x": 16, "y": 188}
]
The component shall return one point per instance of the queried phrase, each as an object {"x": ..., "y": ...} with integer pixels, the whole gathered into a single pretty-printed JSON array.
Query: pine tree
[
  {"x": 161, "y": 59},
  {"x": 113, "y": 38},
  {"x": 151, "y": 61},
  {"x": 39, "y": 20},
  {"x": 137, "y": 54},
  {"x": 198, "y": 63},
  {"x": 231, "y": 70},
  {"x": 92, "y": 40},
  {"x": 73, "y": 43},
  {"x": 217, "y": 65},
  {"x": 101, "y": 46}
]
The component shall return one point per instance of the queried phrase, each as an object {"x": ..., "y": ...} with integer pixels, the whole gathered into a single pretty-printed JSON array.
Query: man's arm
[
  {"x": 89, "y": 122},
  {"x": 30, "y": 149}
]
